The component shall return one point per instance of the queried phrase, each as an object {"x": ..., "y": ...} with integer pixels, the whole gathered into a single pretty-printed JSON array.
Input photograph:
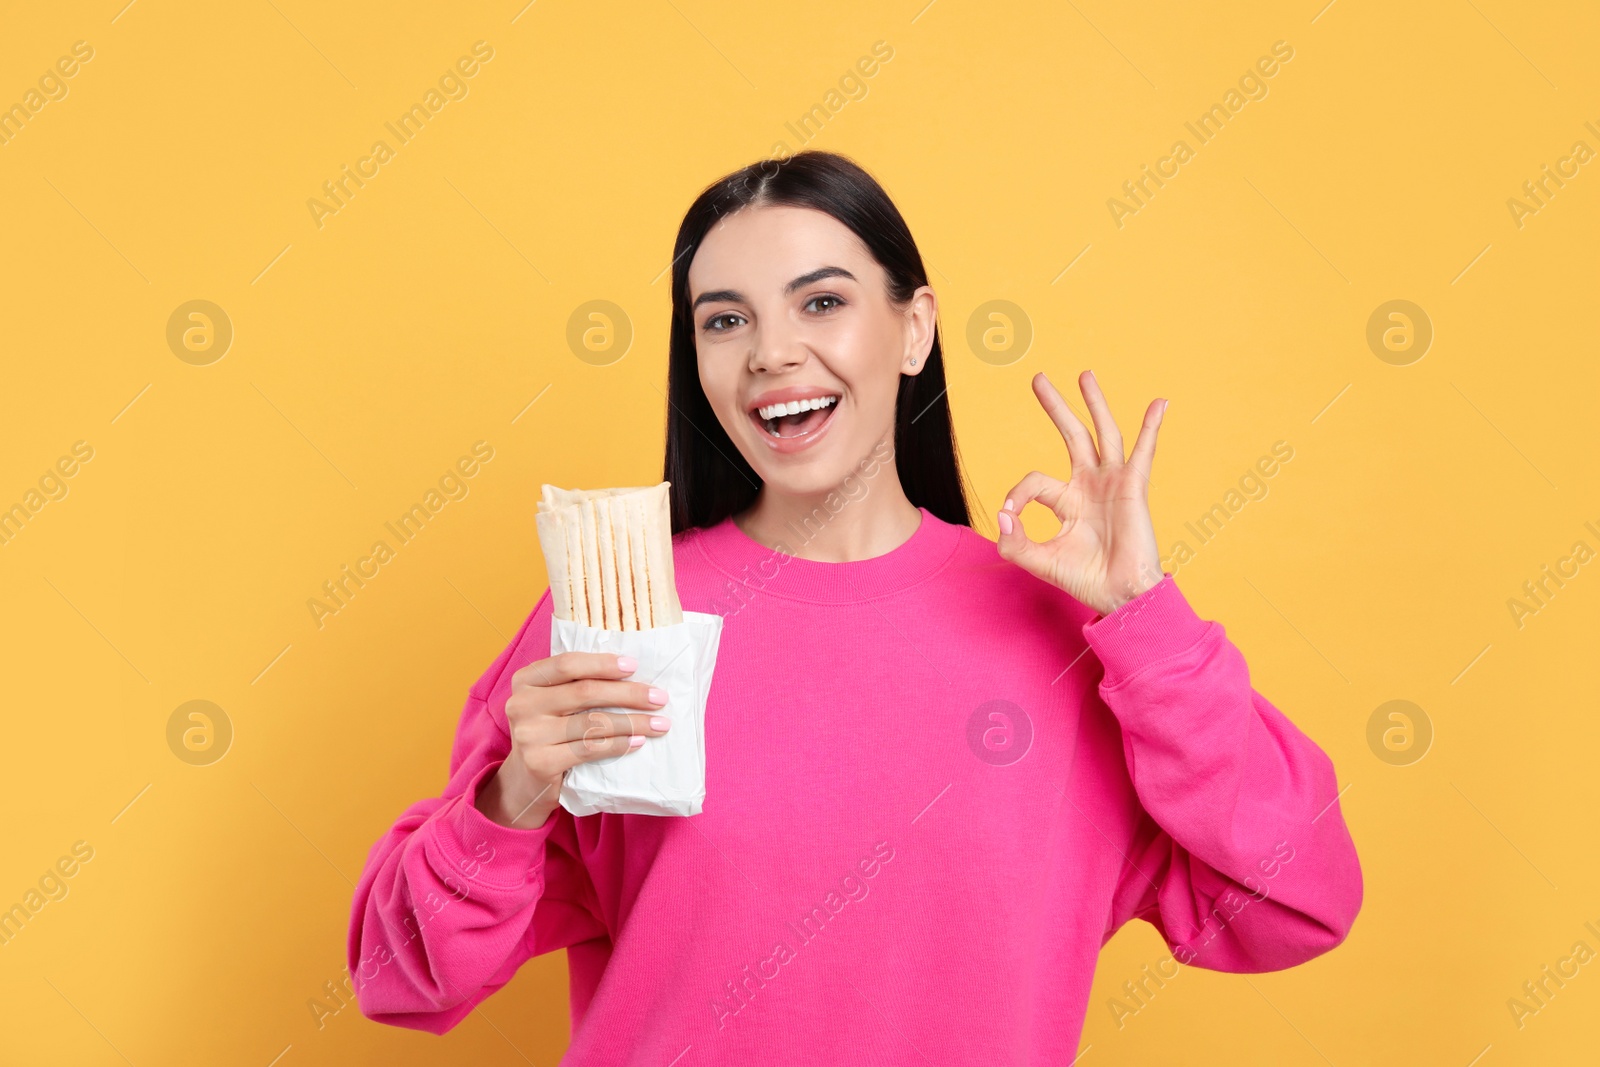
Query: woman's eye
[
  {"x": 711, "y": 323},
  {"x": 826, "y": 296}
]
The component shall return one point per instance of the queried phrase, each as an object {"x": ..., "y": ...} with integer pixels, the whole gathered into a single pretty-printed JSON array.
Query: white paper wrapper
[{"x": 667, "y": 776}]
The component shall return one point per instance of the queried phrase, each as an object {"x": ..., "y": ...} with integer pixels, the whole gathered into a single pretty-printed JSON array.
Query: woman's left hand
[{"x": 1105, "y": 552}]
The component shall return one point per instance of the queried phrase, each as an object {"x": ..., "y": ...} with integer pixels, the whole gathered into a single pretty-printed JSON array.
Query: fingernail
[
  {"x": 1008, "y": 505},
  {"x": 658, "y": 696},
  {"x": 636, "y": 740},
  {"x": 1005, "y": 522},
  {"x": 627, "y": 664},
  {"x": 659, "y": 723}
]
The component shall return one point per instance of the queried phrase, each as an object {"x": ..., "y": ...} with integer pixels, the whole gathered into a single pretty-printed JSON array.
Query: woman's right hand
[{"x": 555, "y": 727}]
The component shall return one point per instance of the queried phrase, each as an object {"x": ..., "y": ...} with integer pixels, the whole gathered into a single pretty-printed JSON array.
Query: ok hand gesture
[{"x": 1105, "y": 552}]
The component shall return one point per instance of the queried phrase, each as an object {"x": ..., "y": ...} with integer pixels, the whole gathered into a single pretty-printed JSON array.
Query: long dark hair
[{"x": 710, "y": 479}]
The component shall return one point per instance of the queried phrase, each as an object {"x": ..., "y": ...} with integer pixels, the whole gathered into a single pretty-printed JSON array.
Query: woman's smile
[{"x": 795, "y": 418}]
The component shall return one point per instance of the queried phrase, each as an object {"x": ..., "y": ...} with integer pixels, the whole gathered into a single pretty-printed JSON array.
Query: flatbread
[
  {"x": 553, "y": 542},
  {"x": 664, "y": 609},
  {"x": 573, "y": 528},
  {"x": 608, "y": 561},
  {"x": 591, "y": 563},
  {"x": 636, "y": 550},
  {"x": 609, "y": 555},
  {"x": 617, "y": 509}
]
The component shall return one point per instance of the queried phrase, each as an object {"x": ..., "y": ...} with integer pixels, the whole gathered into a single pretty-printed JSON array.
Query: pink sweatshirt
[{"x": 935, "y": 787}]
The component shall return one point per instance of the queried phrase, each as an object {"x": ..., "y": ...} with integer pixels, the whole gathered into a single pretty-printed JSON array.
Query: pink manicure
[
  {"x": 658, "y": 696},
  {"x": 636, "y": 740},
  {"x": 627, "y": 664}
]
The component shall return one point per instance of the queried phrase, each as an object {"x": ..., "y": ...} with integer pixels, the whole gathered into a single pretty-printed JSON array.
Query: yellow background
[{"x": 372, "y": 352}]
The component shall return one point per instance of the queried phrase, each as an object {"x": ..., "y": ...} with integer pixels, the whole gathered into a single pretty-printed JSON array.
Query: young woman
[{"x": 940, "y": 773}]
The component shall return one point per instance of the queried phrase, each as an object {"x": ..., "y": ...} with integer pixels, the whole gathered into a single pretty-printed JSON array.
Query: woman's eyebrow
[{"x": 733, "y": 296}]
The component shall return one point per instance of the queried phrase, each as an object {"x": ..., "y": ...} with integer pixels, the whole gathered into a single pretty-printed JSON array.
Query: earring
[{"x": 913, "y": 361}]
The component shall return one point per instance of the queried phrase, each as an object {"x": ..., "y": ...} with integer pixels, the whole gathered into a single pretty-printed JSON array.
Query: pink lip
[{"x": 789, "y": 445}]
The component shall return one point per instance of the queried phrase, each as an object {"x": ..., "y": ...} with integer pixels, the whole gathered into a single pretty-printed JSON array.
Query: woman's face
[{"x": 789, "y": 306}]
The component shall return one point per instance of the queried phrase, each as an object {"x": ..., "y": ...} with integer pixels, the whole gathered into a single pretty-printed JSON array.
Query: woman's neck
[{"x": 859, "y": 520}]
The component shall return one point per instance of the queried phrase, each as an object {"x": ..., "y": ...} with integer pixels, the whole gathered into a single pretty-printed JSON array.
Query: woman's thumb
[{"x": 1015, "y": 545}]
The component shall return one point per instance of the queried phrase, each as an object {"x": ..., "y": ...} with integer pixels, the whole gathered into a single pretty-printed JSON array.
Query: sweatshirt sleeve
[
  {"x": 450, "y": 903},
  {"x": 1240, "y": 856}
]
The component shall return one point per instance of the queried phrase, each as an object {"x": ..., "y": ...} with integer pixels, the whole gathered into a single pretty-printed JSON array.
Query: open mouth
[{"x": 797, "y": 418}]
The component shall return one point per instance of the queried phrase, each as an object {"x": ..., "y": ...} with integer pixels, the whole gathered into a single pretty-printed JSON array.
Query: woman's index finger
[
  {"x": 568, "y": 666},
  {"x": 1080, "y": 446}
]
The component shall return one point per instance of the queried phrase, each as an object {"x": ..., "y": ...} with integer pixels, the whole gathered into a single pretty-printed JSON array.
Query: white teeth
[{"x": 795, "y": 407}]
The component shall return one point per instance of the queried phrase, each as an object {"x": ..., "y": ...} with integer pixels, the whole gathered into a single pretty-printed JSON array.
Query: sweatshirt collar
[{"x": 777, "y": 572}]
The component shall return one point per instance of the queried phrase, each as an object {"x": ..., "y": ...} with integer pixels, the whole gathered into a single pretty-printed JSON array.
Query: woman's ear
[{"x": 922, "y": 315}]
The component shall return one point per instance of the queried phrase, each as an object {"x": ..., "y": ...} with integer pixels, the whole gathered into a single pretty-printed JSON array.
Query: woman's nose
[{"x": 775, "y": 349}]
